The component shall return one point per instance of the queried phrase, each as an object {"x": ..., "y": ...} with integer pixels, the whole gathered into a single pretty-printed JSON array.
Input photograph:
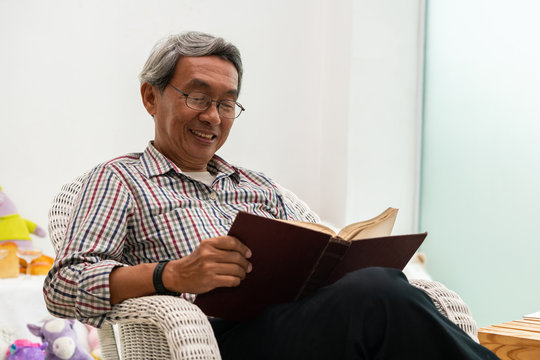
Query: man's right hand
[{"x": 216, "y": 262}]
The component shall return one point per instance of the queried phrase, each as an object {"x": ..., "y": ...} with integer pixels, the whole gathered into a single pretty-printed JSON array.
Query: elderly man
[{"x": 156, "y": 223}]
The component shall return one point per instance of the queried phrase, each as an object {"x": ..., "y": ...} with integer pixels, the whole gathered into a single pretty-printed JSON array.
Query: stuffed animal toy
[
  {"x": 26, "y": 350},
  {"x": 63, "y": 343},
  {"x": 13, "y": 227}
]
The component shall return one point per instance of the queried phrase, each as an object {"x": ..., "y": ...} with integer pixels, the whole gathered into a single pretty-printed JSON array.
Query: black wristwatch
[{"x": 158, "y": 283}]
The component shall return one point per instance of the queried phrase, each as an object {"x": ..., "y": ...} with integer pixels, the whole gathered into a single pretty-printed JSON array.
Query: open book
[
  {"x": 380, "y": 225},
  {"x": 294, "y": 259}
]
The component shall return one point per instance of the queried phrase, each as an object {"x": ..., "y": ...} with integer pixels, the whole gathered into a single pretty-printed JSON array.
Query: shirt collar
[{"x": 155, "y": 164}]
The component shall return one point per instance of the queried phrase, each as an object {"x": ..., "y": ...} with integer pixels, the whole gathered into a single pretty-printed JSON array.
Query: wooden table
[{"x": 514, "y": 340}]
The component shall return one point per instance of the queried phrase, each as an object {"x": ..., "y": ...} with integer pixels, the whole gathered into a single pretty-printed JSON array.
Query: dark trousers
[{"x": 372, "y": 313}]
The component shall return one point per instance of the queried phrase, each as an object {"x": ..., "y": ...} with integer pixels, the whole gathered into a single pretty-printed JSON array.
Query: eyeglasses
[{"x": 199, "y": 101}]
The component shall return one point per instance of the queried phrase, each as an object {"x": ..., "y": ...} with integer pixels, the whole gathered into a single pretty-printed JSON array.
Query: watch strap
[{"x": 157, "y": 279}]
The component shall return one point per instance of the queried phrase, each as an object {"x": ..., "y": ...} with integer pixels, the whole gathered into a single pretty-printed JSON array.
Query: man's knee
[{"x": 374, "y": 283}]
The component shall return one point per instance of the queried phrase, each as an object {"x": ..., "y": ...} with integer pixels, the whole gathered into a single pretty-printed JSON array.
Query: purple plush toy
[
  {"x": 26, "y": 350},
  {"x": 63, "y": 343}
]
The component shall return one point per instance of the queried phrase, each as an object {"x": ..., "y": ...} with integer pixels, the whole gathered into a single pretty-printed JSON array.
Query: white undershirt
[{"x": 203, "y": 176}]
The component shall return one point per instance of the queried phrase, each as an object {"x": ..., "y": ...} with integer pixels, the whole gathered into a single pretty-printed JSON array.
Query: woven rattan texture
[{"x": 450, "y": 304}]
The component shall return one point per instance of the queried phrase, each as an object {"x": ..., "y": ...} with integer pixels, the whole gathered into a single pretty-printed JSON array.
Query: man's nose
[{"x": 211, "y": 115}]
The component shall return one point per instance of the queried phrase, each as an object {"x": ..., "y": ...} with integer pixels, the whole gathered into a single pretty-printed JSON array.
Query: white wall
[
  {"x": 385, "y": 110},
  {"x": 70, "y": 94}
]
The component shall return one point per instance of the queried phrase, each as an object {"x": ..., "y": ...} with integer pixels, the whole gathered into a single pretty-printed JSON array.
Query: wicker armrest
[
  {"x": 163, "y": 327},
  {"x": 450, "y": 304}
]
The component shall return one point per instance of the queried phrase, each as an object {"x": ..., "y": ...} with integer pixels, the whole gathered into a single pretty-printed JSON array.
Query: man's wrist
[{"x": 157, "y": 279}]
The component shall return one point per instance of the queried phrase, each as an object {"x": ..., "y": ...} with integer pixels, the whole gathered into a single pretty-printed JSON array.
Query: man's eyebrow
[{"x": 203, "y": 84}]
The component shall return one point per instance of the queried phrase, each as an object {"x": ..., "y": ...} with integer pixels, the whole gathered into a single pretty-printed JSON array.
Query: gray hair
[{"x": 160, "y": 66}]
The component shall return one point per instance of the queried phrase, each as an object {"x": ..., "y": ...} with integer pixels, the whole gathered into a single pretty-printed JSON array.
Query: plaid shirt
[{"x": 141, "y": 208}]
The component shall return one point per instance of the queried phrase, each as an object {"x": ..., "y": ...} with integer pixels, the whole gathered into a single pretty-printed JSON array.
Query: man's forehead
[{"x": 206, "y": 72}]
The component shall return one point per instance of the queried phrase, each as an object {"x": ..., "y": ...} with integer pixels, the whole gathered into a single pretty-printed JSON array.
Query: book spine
[{"x": 330, "y": 257}]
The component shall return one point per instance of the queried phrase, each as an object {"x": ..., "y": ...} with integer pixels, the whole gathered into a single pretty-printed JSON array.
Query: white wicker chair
[
  {"x": 150, "y": 327},
  {"x": 168, "y": 327}
]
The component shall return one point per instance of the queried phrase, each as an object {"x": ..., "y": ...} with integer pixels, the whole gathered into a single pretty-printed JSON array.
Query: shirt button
[{"x": 212, "y": 196}]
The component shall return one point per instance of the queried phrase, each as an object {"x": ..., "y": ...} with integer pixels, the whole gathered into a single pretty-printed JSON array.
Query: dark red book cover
[{"x": 290, "y": 261}]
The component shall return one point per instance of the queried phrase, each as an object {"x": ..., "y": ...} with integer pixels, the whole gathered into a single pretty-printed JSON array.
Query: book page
[
  {"x": 380, "y": 225},
  {"x": 312, "y": 226},
  {"x": 535, "y": 315}
]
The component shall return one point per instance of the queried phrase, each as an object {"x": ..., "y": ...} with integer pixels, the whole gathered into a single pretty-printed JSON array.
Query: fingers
[
  {"x": 226, "y": 249},
  {"x": 222, "y": 275},
  {"x": 229, "y": 243},
  {"x": 216, "y": 262},
  {"x": 224, "y": 271},
  {"x": 210, "y": 258},
  {"x": 227, "y": 281}
]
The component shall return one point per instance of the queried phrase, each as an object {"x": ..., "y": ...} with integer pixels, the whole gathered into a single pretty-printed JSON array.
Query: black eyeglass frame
[{"x": 218, "y": 102}]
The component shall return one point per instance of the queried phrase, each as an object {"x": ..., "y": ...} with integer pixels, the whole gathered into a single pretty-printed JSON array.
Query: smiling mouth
[{"x": 203, "y": 135}]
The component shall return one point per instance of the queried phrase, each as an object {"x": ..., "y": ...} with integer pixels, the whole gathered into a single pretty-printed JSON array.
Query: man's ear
[{"x": 149, "y": 94}]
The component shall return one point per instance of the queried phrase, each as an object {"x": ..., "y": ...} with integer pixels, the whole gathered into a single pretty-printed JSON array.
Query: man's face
[{"x": 189, "y": 137}]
